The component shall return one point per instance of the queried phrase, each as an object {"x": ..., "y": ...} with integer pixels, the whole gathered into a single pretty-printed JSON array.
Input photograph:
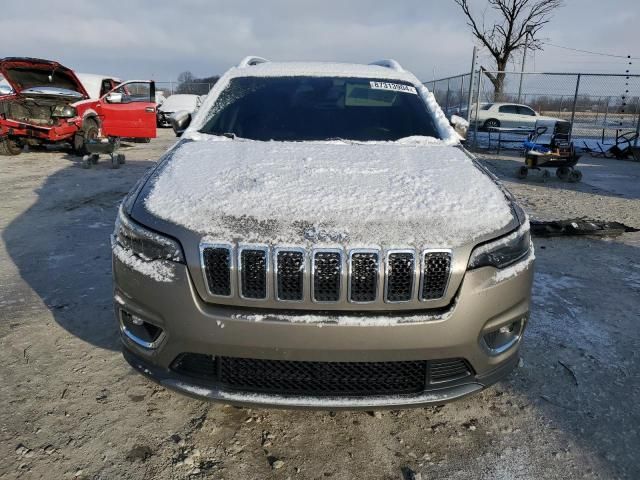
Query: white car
[
  {"x": 508, "y": 115},
  {"x": 177, "y": 103}
]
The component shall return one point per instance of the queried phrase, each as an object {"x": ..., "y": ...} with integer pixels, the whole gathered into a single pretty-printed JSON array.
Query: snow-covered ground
[{"x": 72, "y": 408}]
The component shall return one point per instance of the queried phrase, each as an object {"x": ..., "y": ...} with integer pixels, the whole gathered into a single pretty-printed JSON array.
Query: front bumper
[{"x": 484, "y": 303}]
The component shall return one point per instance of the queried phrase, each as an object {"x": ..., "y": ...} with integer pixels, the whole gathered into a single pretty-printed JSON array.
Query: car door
[
  {"x": 508, "y": 116},
  {"x": 528, "y": 116},
  {"x": 129, "y": 110}
]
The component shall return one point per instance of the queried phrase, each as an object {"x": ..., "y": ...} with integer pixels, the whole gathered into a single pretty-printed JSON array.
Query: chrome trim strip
[
  {"x": 232, "y": 266},
  {"x": 387, "y": 270},
  {"x": 350, "y": 277},
  {"x": 340, "y": 253},
  {"x": 267, "y": 267},
  {"x": 276, "y": 251},
  {"x": 137, "y": 340},
  {"x": 423, "y": 271}
]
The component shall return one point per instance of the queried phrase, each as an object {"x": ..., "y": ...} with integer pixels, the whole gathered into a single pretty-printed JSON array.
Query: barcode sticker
[{"x": 394, "y": 87}]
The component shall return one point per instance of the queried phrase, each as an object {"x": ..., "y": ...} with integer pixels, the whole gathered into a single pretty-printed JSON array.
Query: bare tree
[{"x": 508, "y": 34}]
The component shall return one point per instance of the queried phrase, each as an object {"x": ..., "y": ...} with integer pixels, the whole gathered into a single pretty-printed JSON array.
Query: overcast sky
[{"x": 143, "y": 39}]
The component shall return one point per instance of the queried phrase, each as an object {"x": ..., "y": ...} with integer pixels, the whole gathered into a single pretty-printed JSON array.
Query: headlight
[
  {"x": 144, "y": 243},
  {"x": 503, "y": 252},
  {"x": 64, "y": 111}
]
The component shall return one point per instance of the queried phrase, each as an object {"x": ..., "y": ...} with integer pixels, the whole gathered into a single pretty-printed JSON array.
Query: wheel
[
  {"x": 9, "y": 147},
  {"x": 522, "y": 172},
  {"x": 115, "y": 161},
  {"x": 545, "y": 175},
  {"x": 89, "y": 131},
  {"x": 94, "y": 158},
  {"x": 491, "y": 123},
  {"x": 121, "y": 158},
  {"x": 563, "y": 173},
  {"x": 86, "y": 161},
  {"x": 575, "y": 176}
]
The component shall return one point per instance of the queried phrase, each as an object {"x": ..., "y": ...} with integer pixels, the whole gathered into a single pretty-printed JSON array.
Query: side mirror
[
  {"x": 460, "y": 125},
  {"x": 114, "y": 97},
  {"x": 180, "y": 121}
]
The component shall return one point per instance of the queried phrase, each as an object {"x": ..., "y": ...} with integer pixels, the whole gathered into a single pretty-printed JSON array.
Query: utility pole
[{"x": 528, "y": 29}]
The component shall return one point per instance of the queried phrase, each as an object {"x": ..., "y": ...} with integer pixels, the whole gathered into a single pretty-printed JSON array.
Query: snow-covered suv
[{"x": 319, "y": 238}]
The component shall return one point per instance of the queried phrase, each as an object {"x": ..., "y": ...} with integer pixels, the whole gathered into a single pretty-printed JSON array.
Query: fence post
[
  {"x": 471, "y": 79},
  {"x": 446, "y": 108},
  {"x": 635, "y": 143},
  {"x": 575, "y": 103},
  {"x": 475, "y": 128},
  {"x": 461, "y": 93}
]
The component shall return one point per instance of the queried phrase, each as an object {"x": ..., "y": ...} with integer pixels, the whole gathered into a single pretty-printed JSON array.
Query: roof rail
[
  {"x": 389, "y": 63},
  {"x": 251, "y": 60}
]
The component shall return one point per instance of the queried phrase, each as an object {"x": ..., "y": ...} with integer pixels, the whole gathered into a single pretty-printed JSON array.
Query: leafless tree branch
[{"x": 508, "y": 34}]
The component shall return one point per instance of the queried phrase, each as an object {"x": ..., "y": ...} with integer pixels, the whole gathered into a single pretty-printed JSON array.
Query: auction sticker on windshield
[{"x": 395, "y": 87}]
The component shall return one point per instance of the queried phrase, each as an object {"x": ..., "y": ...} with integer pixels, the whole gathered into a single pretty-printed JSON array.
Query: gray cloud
[{"x": 144, "y": 38}]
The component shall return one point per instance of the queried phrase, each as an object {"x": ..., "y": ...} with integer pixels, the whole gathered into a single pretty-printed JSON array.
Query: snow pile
[
  {"x": 159, "y": 270},
  {"x": 277, "y": 192},
  {"x": 353, "y": 320},
  {"x": 319, "y": 69}
]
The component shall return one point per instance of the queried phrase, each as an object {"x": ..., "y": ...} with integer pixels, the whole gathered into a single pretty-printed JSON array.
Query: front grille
[
  {"x": 327, "y": 276},
  {"x": 253, "y": 264},
  {"x": 293, "y": 274},
  {"x": 321, "y": 378},
  {"x": 364, "y": 276},
  {"x": 436, "y": 271},
  {"x": 290, "y": 275},
  {"x": 400, "y": 274},
  {"x": 217, "y": 263}
]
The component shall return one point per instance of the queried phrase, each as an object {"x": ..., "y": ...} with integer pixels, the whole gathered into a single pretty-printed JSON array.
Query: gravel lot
[{"x": 72, "y": 408}]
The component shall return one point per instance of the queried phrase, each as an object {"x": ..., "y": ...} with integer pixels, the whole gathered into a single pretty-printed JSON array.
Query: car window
[
  {"x": 508, "y": 109},
  {"x": 486, "y": 106},
  {"x": 526, "y": 111},
  {"x": 136, "y": 92},
  {"x": 319, "y": 108}
]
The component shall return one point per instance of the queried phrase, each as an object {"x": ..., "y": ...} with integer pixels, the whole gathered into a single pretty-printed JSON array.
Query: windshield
[{"x": 319, "y": 108}]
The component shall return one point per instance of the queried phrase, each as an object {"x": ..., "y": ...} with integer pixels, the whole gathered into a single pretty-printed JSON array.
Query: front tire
[
  {"x": 89, "y": 131},
  {"x": 492, "y": 123},
  {"x": 9, "y": 147}
]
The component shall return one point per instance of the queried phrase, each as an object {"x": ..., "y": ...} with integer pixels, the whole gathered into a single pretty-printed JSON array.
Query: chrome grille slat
[
  {"x": 400, "y": 276},
  {"x": 326, "y": 275},
  {"x": 289, "y": 269},
  {"x": 436, "y": 270},
  {"x": 364, "y": 272},
  {"x": 253, "y": 269}
]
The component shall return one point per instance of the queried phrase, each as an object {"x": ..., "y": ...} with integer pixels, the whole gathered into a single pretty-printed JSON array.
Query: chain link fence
[{"x": 600, "y": 107}]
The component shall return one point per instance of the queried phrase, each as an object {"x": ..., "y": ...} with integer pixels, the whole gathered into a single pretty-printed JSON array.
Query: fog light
[
  {"x": 140, "y": 332},
  {"x": 502, "y": 339}
]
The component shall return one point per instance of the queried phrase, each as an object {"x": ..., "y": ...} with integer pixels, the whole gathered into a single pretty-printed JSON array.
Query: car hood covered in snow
[{"x": 416, "y": 192}]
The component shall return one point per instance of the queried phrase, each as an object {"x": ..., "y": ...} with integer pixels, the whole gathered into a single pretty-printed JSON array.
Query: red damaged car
[{"x": 43, "y": 102}]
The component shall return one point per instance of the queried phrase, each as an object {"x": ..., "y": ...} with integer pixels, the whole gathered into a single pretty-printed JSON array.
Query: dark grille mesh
[
  {"x": 322, "y": 378},
  {"x": 217, "y": 262},
  {"x": 290, "y": 275},
  {"x": 448, "y": 370},
  {"x": 364, "y": 277},
  {"x": 436, "y": 274},
  {"x": 254, "y": 273},
  {"x": 400, "y": 277},
  {"x": 326, "y": 277}
]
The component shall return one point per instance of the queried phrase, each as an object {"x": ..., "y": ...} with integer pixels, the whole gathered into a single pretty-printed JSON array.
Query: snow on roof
[
  {"x": 92, "y": 82},
  {"x": 324, "y": 69},
  {"x": 417, "y": 192}
]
